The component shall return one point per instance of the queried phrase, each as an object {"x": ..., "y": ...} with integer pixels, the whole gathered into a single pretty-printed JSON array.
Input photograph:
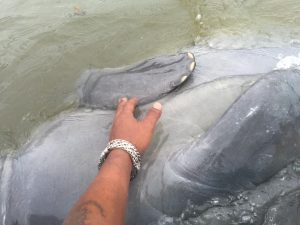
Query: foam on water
[{"x": 288, "y": 62}]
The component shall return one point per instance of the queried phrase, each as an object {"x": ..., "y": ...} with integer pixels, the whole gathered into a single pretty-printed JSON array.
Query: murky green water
[{"x": 46, "y": 45}]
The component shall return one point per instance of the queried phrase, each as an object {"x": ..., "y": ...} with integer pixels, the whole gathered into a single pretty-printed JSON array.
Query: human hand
[{"x": 127, "y": 127}]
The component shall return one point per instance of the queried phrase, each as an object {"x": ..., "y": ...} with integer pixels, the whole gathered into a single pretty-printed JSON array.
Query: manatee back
[
  {"x": 148, "y": 81},
  {"x": 255, "y": 138}
]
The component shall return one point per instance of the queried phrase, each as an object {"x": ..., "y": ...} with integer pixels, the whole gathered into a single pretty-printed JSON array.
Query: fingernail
[
  {"x": 157, "y": 106},
  {"x": 192, "y": 66},
  {"x": 124, "y": 99},
  {"x": 190, "y": 55}
]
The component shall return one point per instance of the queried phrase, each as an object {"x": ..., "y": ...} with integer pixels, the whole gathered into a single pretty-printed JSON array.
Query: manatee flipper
[{"x": 148, "y": 81}]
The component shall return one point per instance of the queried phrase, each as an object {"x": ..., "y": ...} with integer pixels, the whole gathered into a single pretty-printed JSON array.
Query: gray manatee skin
[
  {"x": 256, "y": 137},
  {"x": 53, "y": 169},
  {"x": 213, "y": 64},
  {"x": 286, "y": 205},
  {"x": 149, "y": 80}
]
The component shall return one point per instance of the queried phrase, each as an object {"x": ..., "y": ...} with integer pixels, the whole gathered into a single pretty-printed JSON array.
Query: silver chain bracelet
[{"x": 126, "y": 146}]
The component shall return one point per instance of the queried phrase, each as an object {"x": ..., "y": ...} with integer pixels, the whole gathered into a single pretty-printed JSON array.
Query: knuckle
[
  {"x": 148, "y": 124},
  {"x": 154, "y": 114}
]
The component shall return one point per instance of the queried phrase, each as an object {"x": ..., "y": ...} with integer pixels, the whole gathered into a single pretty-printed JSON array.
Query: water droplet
[{"x": 198, "y": 17}]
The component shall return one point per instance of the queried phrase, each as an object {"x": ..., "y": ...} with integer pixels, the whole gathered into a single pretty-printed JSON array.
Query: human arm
[{"x": 105, "y": 200}]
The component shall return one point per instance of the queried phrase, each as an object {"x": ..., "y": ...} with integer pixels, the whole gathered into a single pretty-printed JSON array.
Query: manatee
[{"x": 195, "y": 155}]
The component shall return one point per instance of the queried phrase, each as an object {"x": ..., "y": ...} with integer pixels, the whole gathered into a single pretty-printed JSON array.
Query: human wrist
[
  {"x": 120, "y": 158},
  {"x": 126, "y": 146},
  {"x": 119, "y": 154}
]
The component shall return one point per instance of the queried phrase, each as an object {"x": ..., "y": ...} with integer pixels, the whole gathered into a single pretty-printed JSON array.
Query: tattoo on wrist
[{"x": 80, "y": 216}]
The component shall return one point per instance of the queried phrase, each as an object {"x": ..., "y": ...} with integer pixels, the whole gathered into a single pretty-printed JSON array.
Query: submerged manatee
[{"x": 40, "y": 185}]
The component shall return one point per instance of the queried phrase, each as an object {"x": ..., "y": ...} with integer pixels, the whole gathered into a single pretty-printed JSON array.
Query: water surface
[{"x": 46, "y": 45}]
